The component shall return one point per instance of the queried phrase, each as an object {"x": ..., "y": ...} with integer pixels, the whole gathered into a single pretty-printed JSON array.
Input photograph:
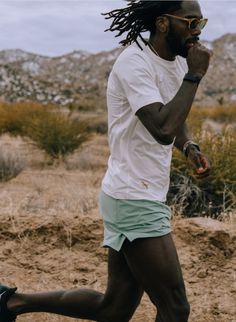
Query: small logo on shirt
[{"x": 145, "y": 184}]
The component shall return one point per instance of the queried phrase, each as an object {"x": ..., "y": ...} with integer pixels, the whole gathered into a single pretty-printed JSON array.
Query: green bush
[
  {"x": 217, "y": 193},
  {"x": 45, "y": 125},
  {"x": 56, "y": 134}
]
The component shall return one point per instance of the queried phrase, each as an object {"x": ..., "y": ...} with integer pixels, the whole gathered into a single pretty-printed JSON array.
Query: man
[{"x": 150, "y": 92}]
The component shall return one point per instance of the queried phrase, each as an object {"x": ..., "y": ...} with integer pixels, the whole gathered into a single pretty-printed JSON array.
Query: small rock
[
  {"x": 192, "y": 280},
  {"x": 202, "y": 273},
  {"x": 7, "y": 252},
  {"x": 75, "y": 281}
]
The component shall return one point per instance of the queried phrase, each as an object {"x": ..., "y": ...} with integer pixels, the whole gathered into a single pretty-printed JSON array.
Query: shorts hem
[{"x": 117, "y": 247}]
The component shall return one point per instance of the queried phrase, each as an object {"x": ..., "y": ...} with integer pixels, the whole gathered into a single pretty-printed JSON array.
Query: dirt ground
[{"x": 51, "y": 234}]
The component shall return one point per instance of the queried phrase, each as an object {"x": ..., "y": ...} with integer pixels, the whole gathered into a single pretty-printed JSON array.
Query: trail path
[{"x": 51, "y": 233}]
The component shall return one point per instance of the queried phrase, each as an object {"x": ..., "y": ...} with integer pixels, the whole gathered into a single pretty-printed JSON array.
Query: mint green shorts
[{"x": 132, "y": 219}]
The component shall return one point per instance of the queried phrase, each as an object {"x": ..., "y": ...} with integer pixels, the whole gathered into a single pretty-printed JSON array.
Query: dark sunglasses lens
[
  {"x": 198, "y": 24},
  {"x": 194, "y": 24},
  {"x": 202, "y": 23}
]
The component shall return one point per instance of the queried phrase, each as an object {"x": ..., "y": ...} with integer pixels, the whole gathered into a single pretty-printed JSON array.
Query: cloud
[
  {"x": 54, "y": 27},
  {"x": 221, "y": 15}
]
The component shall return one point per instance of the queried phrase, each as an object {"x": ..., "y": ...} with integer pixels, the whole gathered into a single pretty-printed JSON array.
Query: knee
[
  {"x": 117, "y": 310},
  {"x": 115, "y": 317},
  {"x": 180, "y": 308},
  {"x": 112, "y": 314},
  {"x": 172, "y": 309},
  {"x": 181, "y": 312}
]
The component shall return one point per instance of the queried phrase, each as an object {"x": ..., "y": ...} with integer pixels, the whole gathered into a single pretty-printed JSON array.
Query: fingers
[
  {"x": 204, "y": 170},
  {"x": 201, "y": 163},
  {"x": 198, "y": 59},
  {"x": 205, "y": 162},
  {"x": 201, "y": 173},
  {"x": 209, "y": 51},
  {"x": 203, "y": 48}
]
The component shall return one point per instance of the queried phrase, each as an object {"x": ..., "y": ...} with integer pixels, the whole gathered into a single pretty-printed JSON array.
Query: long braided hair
[{"x": 137, "y": 17}]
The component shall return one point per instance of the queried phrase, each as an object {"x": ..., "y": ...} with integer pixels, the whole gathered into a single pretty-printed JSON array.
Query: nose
[{"x": 196, "y": 32}]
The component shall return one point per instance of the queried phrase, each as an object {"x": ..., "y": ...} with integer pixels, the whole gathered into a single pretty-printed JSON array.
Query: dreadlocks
[{"x": 138, "y": 17}]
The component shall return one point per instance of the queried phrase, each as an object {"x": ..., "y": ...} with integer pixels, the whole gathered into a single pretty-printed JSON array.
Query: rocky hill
[{"x": 77, "y": 76}]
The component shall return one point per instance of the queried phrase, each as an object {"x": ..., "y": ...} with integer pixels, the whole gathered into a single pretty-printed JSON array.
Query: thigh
[
  {"x": 123, "y": 292},
  {"x": 154, "y": 263}
]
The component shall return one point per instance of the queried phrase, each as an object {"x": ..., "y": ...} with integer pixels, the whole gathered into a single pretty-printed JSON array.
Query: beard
[{"x": 175, "y": 43}]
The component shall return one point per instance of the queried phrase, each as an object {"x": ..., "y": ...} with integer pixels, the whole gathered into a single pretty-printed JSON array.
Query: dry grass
[
  {"x": 215, "y": 195},
  {"x": 55, "y": 189},
  {"x": 224, "y": 115},
  {"x": 60, "y": 133},
  {"x": 51, "y": 235},
  {"x": 92, "y": 156},
  {"x": 49, "y": 129},
  {"x": 16, "y": 117},
  {"x": 10, "y": 164}
]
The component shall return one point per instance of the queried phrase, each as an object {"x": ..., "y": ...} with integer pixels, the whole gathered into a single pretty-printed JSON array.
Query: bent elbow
[
  {"x": 164, "y": 136},
  {"x": 164, "y": 139},
  {"x": 161, "y": 135}
]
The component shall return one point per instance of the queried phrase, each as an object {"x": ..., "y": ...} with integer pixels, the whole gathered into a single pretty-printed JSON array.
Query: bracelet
[{"x": 186, "y": 146}]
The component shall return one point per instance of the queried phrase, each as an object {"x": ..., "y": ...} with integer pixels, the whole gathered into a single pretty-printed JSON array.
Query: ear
[{"x": 162, "y": 24}]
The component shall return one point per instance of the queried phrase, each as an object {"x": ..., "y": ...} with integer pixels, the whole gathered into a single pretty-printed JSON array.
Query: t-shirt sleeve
[{"x": 137, "y": 81}]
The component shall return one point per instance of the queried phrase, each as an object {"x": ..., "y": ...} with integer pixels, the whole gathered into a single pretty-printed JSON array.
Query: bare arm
[
  {"x": 165, "y": 121},
  {"x": 182, "y": 136}
]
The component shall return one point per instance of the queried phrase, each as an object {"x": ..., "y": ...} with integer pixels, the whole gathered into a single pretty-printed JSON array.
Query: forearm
[
  {"x": 172, "y": 116},
  {"x": 183, "y": 142},
  {"x": 165, "y": 121},
  {"x": 182, "y": 136}
]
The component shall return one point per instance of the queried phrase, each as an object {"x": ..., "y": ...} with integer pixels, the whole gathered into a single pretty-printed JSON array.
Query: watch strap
[
  {"x": 192, "y": 78},
  {"x": 187, "y": 145}
]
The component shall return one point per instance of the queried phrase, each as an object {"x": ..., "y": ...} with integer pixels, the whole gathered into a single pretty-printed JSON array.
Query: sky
[{"x": 56, "y": 27}]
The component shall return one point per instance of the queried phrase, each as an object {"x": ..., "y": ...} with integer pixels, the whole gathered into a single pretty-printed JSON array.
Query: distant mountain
[{"x": 74, "y": 77}]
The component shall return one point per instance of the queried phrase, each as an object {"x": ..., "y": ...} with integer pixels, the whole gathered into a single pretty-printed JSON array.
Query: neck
[{"x": 160, "y": 48}]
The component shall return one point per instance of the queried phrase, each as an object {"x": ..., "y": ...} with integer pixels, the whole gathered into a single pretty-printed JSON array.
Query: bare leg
[
  {"x": 154, "y": 263},
  {"x": 117, "y": 304}
]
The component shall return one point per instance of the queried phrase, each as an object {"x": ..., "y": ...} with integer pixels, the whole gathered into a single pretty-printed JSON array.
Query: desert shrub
[
  {"x": 49, "y": 129},
  {"x": 212, "y": 195},
  {"x": 56, "y": 134},
  {"x": 16, "y": 117},
  {"x": 10, "y": 165},
  {"x": 89, "y": 103},
  {"x": 226, "y": 114},
  {"x": 221, "y": 114},
  {"x": 84, "y": 106},
  {"x": 97, "y": 124}
]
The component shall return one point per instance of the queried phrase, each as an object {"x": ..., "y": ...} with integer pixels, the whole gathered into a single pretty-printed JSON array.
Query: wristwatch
[
  {"x": 192, "y": 78},
  {"x": 187, "y": 146}
]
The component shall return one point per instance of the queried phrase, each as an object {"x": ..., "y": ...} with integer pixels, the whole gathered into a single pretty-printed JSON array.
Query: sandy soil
[{"x": 51, "y": 234}]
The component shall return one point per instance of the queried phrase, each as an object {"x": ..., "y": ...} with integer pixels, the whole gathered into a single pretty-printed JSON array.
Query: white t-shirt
[{"x": 138, "y": 166}]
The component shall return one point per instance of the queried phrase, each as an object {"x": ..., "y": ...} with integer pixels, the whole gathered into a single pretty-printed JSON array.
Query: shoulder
[
  {"x": 132, "y": 52},
  {"x": 132, "y": 58}
]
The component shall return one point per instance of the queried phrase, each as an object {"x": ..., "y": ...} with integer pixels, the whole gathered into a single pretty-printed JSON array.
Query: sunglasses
[{"x": 193, "y": 23}]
